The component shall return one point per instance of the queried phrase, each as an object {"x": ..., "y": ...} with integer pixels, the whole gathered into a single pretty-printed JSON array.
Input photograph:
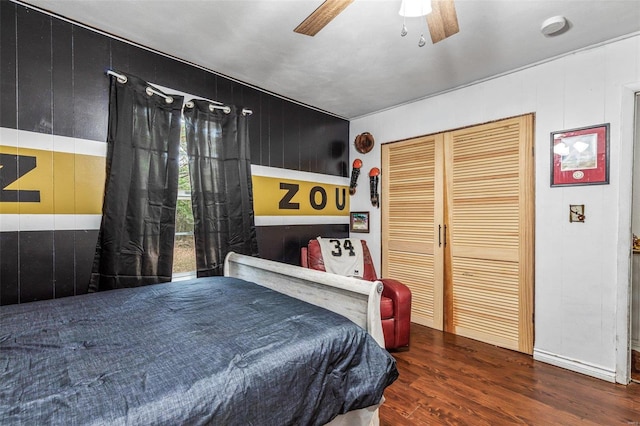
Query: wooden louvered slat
[
  {"x": 415, "y": 270},
  {"x": 412, "y": 193},
  {"x": 489, "y": 261}
]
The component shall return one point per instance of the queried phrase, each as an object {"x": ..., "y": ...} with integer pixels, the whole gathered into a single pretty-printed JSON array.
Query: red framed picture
[{"x": 580, "y": 156}]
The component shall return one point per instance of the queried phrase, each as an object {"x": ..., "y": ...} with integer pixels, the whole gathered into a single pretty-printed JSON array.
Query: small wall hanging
[
  {"x": 580, "y": 156},
  {"x": 364, "y": 142},
  {"x": 373, "y": 186},
  {"x": 355, "y": 172},
  {"x": 359, "y": 222}
]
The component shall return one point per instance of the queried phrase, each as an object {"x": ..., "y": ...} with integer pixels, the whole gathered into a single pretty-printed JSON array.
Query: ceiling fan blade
[
  {"x": 442, "y": 21},
  {"x": 322, "y": 16}
]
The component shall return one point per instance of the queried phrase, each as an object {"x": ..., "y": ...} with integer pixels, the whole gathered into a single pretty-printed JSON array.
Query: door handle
[
  {"x": 445, "y": 235},
  {"x": 439, "y": 235}
]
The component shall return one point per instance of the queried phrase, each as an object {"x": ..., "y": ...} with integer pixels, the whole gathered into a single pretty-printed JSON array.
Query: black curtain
[
  {"x": 135, "y": 243},
  {"x": 221, "y": 190}
]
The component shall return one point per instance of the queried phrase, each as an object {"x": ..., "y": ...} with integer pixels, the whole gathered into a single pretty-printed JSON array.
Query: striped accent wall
[{"x": 53, "y": 119}]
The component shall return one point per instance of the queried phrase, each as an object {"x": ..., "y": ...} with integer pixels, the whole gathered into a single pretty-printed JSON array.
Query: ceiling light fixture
[
  {"x": 414, "y": 9},
  {"x": 553, "y": 25}
]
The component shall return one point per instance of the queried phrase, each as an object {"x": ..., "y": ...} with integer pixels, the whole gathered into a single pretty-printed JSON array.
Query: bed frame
[
  {"x": 353, "y": 298},
  {"x": 356, "y": 299}
]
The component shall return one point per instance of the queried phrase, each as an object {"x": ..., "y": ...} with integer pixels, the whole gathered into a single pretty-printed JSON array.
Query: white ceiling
[{"x": 358, "y": 64}]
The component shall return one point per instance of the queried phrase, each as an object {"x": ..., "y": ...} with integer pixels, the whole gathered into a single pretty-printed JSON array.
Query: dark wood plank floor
[{"x": 446, "y": 379}]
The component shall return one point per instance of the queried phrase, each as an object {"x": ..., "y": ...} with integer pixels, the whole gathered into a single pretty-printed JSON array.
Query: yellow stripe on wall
[
  {"x": 67, "y": 183},
  {"x": 63, "y": 182},
  {"x": 273, "y": 196}
]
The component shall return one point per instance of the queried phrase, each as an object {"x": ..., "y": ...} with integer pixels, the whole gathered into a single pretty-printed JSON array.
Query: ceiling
[{"x": 359, "y": 63}]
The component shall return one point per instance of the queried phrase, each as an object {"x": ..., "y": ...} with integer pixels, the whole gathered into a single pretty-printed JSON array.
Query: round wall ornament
[{"x": 364, "y": 142}]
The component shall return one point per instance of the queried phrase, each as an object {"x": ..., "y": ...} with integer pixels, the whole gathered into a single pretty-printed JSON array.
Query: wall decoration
[
  {"x": 364, "y": 142},
  {"x": 359, "y": 222},
  {"x": 289, "y": 197},
  {"x": 373, "y": 186},
  {"x": 355, "y": 172},
  {"x": 580, "y": 156},
  {"x": 576, "y": 213}
]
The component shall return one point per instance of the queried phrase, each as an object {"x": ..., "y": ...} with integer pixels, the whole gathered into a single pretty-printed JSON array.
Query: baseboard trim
[
  {"x": 635, "y": 345},
  {"x": 575, "y": 365}
]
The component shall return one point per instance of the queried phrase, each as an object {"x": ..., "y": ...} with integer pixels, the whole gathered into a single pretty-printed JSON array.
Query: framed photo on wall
[
  {"x": 359, "y": 222},
  {"x": 580, "y": 156}
]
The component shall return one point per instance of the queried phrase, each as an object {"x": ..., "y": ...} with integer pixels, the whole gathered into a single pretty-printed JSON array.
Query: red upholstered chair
[{"x": 395, "y": 304}]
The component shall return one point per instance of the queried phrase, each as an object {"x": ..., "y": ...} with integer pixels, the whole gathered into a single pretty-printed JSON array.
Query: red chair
[{"x": 395, "y": 305}]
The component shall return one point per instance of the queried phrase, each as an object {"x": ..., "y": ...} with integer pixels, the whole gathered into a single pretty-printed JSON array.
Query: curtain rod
[
  {"x": 226, "y": 109},
  {"x": 150, "y": 91}
]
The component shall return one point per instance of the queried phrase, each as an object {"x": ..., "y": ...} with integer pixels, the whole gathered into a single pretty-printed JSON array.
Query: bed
[{"x": 268, "y": 343}]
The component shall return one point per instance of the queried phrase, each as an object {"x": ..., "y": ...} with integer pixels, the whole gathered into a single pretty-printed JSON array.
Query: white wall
[
  {"x": 582, "y": 270},
  {"x": 635, "y": 228}
]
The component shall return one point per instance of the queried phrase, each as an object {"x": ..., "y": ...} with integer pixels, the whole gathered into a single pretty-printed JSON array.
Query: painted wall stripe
[
  {"x": 288, "y": 197},
  {"x": 69, "y": 180},
  {"x": 43, "y": 222},
  {"x": 65, "y": 183},
  {"x": 42, "y": 141},
  {"x": 276, "y": 172},
  {"x": 300, "y": 220},
  {"x": 49, "y": 222}
]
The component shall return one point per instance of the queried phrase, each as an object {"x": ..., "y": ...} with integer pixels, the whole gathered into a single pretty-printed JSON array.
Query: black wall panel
[
  {"x": 62, "y": 88},
  {"x": 8, "y": 88},
  {"x": 64, "y": 261},
  {"x": 291, "y": 137},
  {"x": 9, "y": 270},
  {"x": 276, "y": 132},
  {"x": 282, "y": 243},
  {"x": 90, "y": 94},
  {"x": 85, "y": 247},
  {"x": 252, "y": 99},
  {"x": 34, "y": 70},
  {"x": 36, "y": 265},
  {"x": 52, "y": 80}
]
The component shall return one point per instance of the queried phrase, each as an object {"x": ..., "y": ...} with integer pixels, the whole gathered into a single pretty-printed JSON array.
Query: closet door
[
  {"x": 412, "y": 212},
  {"x": 489, "y": 254}
]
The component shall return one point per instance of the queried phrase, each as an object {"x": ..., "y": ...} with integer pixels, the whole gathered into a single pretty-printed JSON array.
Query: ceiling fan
[{"x": 442, "y": 21}]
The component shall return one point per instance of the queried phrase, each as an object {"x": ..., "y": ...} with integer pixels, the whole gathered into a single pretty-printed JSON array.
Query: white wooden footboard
[{"x": 353, "y": 298}]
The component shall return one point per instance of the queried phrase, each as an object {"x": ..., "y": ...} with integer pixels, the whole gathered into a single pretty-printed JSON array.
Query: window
[
  {"x": 184, "y": 254},
  {"x": 184, "y": 248}
]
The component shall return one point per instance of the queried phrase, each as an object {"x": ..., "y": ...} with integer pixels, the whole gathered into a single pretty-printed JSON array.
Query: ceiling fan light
[{"x": 414, "y": 8}]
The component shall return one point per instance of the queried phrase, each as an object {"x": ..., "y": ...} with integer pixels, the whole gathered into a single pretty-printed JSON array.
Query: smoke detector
[{"x": 553, "y": 25}]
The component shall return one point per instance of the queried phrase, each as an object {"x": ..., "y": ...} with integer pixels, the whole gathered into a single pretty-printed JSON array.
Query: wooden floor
[{"x": 446, "y": 379}]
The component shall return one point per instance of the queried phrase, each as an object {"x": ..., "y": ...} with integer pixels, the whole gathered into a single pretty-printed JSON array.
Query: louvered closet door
[
  {"x": 412, "y": 208},
  {"x": 489, "y": 254}
]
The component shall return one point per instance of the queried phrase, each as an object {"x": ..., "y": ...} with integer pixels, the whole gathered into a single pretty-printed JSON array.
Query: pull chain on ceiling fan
[{"x": 442, "y": 21}]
